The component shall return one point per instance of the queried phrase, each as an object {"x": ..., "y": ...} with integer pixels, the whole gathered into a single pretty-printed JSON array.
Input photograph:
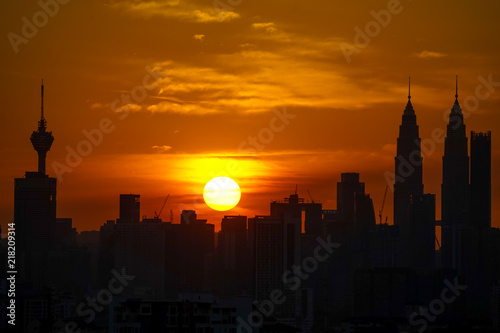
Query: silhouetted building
[
  {"x": 310, "y": 215},
  {"x": 495, "y": 306},
  {"x": 106, "y": 252},
  {"x": 139, "y": 248},
  {"x": 234, "y": 270},
  {"x": 277, "y": 248},
  {"x": 188, "y": 217},
  {"x": 355, "y": 214},
  {"x": 365, "y": 215},
  {"x": 422, "y": 232},
  {"x": 130, "y": 208},
  {"x": 384, "y": 245},
  {"x": 35, "y": 211},
  {"x": 408, "y": 177},
  {"x": 364, "y": 225},
  {"x": 382, "y": 292},
  {"x": 279, "y": 245},
  {"x": 136, "y": 247},
  {"x": 348, "y": 189},
  {"x": 275, "y": 251},
  {"x": 455, "y": 190},
  {"x": 189, "y": 255},
  {"x": 187, "y": 313},
  {"x": 480, "y": 179},
  {"x": 64, "y": 233}
]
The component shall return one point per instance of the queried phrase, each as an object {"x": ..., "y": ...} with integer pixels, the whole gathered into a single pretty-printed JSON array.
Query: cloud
[
  {"x": 171, "y": 107},
  {"x": 182, "y": 10},
  {"x": 267, "y": 27},
  {"x": 207, "y": 17},
  {"x": 266, "y": 82},
  {"x": 430, "y": 54},
  {"x": 199, "y": 37},
  {"x": 128, "y": 108},
  {"x": 245, "y": 45},
  {"x": 390, "y": 147},
  {"x": 97, "y": 106},
  {"x": 258, "y": 79},
  {"x": 161, "y": 149}
]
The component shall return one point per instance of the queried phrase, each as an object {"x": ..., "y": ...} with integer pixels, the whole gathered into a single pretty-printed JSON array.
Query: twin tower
[{"x": 456, "y": 201}]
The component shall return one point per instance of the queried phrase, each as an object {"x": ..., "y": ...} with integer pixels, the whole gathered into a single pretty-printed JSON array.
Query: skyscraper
[
  {"x": 35, "y": 208},
  {"x": 480, "y": 179},
  {"x": 234, "y": 271},
  {"x": 422, "y": 230},
  {"x": 408, "y": 176},
  {"x": 348, "y": 189},
  {"x": 277, "y": 247},
  {"x": 130, "y": 208},
  {"x": 455, "y": 191},
  {"x": 139, "y": 248}
]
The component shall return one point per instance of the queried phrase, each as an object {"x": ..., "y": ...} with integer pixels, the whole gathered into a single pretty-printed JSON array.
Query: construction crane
[
  {"x": 157, "y": 216},
  {"x": 310, "y": 196},
  {"x": 383, "y": 204}
]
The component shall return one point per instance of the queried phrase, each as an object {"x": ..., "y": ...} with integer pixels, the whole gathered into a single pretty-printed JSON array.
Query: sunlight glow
[{"x": 221, "y": 193}]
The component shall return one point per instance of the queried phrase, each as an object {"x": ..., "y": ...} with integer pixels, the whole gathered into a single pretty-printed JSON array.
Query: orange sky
[{"x": 181, "y": 87}]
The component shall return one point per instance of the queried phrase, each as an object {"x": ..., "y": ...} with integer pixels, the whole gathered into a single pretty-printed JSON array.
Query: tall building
[
  {"x": 354, "y": 208},
  {"x": 234, "y": 271},
  {"x": 455, "y": 191},
  {"x": 364, "y": 226},
  {"x": 348, "y": 189},
  {"x": 482, "y": 267},
  {"x": 422, "y": 230},
  {"x": 189, "y": 255},
  {"x": 309, "y": 214},
  {"x": 130, "y": 208},
  {"x": 408, "y": 176},
  {"x": 35, "y": 209},
  {"x": 139, "y": 248},
  {"x": 480, "y": 179},
  {"x": 277, "y": 248}
]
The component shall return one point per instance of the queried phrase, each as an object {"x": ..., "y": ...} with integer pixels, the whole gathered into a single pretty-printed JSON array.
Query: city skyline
[
  {"x": 250, "y": 166},
  {"x": 231, "y": 168},
  {"x": 347, "y": 113}
]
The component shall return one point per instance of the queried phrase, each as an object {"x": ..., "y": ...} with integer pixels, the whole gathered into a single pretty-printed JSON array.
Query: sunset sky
[{"x": 183, "y": 88}]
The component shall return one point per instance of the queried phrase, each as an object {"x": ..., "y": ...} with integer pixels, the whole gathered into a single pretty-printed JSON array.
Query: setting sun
[{"x": 221, "y": 193}]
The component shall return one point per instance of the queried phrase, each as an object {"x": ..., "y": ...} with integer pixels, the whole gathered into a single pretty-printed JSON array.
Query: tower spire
[
  {"x": 42, "y": 124},
  {"x": 456, "y": 88},
  {"x": 409, "y": 82},
  {"x": 42, "y": 101},
  {"x": 409, "y": 107}
]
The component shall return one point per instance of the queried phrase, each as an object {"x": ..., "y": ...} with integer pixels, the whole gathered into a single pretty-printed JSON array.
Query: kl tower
[{"x": 42, "y": 141}]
